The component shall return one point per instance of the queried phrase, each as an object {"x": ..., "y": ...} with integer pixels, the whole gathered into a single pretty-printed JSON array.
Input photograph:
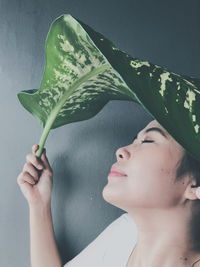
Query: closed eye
[
  {"x": 148, "y": 141},
  {"x": 144, "y": 141}
]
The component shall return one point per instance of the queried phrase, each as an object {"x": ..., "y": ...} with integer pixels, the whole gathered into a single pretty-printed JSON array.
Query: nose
[{"x": 122, "y": 153}]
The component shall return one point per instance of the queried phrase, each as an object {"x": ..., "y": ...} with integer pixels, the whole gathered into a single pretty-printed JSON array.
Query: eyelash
[
  {"x": 148, "y": 141},
  {"x": 144, "y": 141}
]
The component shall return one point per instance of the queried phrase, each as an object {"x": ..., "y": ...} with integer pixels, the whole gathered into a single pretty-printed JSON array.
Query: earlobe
[
  {"x": 192, "y": 191},
  {"x": 197, "y": 192}
]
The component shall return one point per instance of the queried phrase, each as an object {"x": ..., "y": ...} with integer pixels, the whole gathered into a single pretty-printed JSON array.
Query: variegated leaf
[{"x": 84, "y": 70}]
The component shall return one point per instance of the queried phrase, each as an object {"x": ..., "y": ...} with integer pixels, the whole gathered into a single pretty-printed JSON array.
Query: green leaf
[
  {"x": 84, "y": 70},
  {"x": 77, "y": 82}
]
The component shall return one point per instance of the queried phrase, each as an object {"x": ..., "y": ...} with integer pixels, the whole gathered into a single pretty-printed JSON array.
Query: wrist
[{"x": 40, "y": 207}]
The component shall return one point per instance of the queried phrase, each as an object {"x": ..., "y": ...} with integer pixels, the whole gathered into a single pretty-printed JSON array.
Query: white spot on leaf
[
  {"x": 190, "y": 97},
  {"x": 137, "y": 64},
  {"x": 193, "y": 117},
  {"x": 164, "y": 77},
  {"x": 196, "y": 128},
  {"x": 66, "y": 46},
  {"x": 114, "y": 48}
]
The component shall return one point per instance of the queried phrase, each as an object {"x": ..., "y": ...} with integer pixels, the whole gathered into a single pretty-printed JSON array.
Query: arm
[
  {"x": 44, "y": 252},
  {"x": 35, "y": 181}
]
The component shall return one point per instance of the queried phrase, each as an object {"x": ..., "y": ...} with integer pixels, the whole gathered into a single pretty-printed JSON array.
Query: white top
[{"x": 111, "y": 248}]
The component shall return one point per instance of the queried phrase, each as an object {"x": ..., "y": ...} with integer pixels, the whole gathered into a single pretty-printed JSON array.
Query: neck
[{"x": 163, "y": 238}]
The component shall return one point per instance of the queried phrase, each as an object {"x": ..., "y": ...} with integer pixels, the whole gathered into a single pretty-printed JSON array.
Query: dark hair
[{"x": 190, "y": 165}]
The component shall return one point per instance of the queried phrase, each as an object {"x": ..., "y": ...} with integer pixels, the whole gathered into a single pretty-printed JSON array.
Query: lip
[{"x": 116, "y": 172}]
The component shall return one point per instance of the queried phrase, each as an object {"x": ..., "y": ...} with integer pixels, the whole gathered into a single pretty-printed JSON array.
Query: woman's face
[{"x": 151, "y": 170}]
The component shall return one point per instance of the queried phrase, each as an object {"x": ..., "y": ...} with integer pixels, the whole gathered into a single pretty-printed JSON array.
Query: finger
[
  {"x": 25, "y": 177},
  {"x": 28, "y": 167},
  {"x": 45, "y": 160},
  {"x": 34, "y": 160},
  {"x": 35, "y": 148}
]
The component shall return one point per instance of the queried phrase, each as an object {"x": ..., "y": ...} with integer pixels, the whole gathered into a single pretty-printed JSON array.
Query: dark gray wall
[{"x": 163, "y": 32}]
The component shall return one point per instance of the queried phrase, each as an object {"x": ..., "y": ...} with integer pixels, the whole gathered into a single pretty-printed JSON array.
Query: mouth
[{"x": 116, "y": 172}]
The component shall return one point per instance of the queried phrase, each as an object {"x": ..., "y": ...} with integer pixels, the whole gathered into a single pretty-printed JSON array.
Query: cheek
[
  {"x": 151, "y": 184},
  {"x": 152, "y": 164}
]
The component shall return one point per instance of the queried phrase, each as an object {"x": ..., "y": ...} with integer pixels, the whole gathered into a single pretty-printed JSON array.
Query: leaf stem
[{"x": 45, "y": 134}]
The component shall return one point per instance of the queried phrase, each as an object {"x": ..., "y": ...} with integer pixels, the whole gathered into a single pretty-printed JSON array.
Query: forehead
[{"x": 155, "y": 123}]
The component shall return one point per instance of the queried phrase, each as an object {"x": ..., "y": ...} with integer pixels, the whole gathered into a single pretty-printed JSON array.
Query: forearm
[{"x": 43, "y": 248}]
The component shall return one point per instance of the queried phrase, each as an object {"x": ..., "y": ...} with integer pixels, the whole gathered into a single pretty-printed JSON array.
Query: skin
[
  {"x": 35, "y": 181},
  {"x": 159, "y": 206}
]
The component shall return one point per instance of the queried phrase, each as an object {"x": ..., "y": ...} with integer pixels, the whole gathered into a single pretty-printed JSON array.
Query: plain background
[{"x": 165, "y": 33}]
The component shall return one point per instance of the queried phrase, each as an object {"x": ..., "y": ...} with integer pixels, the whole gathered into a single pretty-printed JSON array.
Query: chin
[
  {"x": 107, "y": 196},
  {"x": 112, "y": 199}
]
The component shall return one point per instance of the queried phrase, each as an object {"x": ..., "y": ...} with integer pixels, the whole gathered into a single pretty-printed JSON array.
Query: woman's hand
[{"x": 35, "y": 181}]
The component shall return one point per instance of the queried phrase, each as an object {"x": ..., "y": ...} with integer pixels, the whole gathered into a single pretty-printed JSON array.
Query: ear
[{"x": 192, "y": 192}]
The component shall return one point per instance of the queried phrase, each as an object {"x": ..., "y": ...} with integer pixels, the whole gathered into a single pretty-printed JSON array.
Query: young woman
[{"x": 155, "y": 186}]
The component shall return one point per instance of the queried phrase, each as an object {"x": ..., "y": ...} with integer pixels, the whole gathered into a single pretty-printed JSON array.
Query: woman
[{"x": 161, "y": 205}]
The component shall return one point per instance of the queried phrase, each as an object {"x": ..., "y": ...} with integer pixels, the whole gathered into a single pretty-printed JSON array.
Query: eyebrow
[{"x": 156, "y": 129}]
